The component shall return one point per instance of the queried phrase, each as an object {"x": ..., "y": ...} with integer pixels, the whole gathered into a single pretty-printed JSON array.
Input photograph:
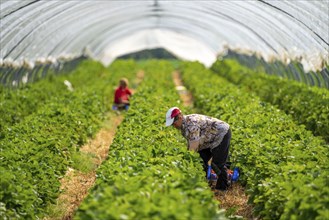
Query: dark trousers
[{"x": 219, "y": 157}]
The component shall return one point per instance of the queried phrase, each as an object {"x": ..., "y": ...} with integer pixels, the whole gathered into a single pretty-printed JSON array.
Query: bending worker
[{"x": 208, "y": 136}]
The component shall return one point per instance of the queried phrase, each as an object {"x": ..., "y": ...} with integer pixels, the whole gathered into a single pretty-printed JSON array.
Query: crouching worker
[
  {"x": 208, "y": 136},
  {"x": 122, "y": 95}
]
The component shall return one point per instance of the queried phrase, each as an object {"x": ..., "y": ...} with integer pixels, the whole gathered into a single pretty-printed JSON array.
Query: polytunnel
[
  {"x": 137, "y": 109},
  {"x": 36, "y": 33}
]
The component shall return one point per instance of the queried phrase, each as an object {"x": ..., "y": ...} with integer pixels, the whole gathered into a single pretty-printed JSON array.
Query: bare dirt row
[{"x": 75, "y": 184}]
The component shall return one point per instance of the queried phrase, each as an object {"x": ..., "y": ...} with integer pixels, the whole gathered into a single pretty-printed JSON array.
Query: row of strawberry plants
[
  {"x": 284, "y": 166},
  {"x": 36, "y": 152},
  {"x": 16, "y": 104},
  {"x": 149, "y": 173},
  {"x": 308, "y": 105}
]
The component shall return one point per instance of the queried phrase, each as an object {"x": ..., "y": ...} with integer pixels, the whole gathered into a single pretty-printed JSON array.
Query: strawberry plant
[
  {"x": 36, "y": 151},
  {"x": 283, "y": 165},
  {"x": 307, "y": 105},
  {"x": 16, "y": 104},
  {"x": 149, "y": 174}
]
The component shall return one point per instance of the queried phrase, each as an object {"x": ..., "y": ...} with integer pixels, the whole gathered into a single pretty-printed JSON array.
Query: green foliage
[
  {"x": 149, "y": 174},
  {"x": 283, "y": 165},
  {"x": 37, "y": 150},
  {"x": 307, "y": 105},
  {"x": 16, "y": 104}
]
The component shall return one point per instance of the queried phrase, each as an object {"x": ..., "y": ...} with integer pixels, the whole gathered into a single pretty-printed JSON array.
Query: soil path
[
  {"x": 234, "y": 200},
  {"x": 75, "y": 184},
  {"x": 184, "y": 94}
]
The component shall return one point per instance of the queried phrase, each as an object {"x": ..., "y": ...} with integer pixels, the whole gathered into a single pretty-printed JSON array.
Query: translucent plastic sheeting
[{"x": 45, "y": 31}]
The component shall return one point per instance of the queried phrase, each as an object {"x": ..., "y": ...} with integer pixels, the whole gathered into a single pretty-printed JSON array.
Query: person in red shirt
[{"x": 122, "y": 95}]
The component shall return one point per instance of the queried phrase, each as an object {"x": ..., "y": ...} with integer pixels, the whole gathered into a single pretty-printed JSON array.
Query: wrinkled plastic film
[{"x": 47, "y": 31}]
